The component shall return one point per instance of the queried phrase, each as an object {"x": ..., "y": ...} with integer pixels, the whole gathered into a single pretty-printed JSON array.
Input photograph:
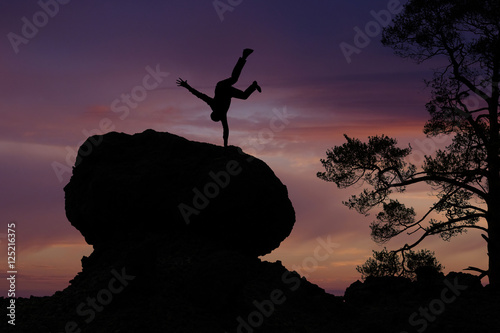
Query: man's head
[{"x": 214, "y": 116}]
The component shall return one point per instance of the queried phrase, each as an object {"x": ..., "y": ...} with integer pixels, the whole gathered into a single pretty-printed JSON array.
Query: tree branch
[
  {"x": 434, "y": 230},
  {"x": 475, "y": 269},
  {"x": 441, "y": 179}
]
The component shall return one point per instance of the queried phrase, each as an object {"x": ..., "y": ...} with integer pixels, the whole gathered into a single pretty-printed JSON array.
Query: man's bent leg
[{"x": 236, "y": 93}]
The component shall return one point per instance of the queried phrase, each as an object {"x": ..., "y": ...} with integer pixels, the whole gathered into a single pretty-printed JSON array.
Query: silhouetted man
[{"x": 224, "y": 91}]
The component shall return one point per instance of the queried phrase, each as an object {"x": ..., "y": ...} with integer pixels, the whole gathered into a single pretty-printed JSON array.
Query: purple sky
[{"x": 63, "y": 82}]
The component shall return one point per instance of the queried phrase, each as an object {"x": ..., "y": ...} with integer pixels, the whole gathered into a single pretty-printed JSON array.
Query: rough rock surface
[
  {"x": 150, "y": 271},
  {"x": 180, "y": 285},
  {"x": 437, "y": 303},
  {"x": 128, "y": 186}
]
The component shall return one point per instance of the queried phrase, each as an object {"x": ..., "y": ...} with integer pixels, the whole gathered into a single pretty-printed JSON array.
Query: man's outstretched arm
[{"x": 181, "y": 83}]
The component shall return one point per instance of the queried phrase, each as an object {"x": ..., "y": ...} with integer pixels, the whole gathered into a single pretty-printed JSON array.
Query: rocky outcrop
[
  {"x": 434, "y": 302},
  {"x": 177, "y": 227},
  {"x": 128, "y": 186},
  {"x": 181, "y": 285}
]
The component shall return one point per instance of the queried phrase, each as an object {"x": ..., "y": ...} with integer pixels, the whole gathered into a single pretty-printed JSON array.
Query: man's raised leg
[
  {"x": 246, "y": 53},
  {"x": 239, "y": 66},
  {"x": 235, "y": 75}
]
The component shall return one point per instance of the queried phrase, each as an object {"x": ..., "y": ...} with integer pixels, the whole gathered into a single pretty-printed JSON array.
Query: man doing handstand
[{"x": 224, "y": 91}]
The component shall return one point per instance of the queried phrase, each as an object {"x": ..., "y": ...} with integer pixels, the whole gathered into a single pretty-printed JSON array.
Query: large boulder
[{"x": 126, "y": 187}]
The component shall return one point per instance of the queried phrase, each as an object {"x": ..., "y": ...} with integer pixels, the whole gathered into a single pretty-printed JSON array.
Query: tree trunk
[
  {"x": 493, "y": 161},
  {"x": 494, "y": 251},
  {"x": 494, "y": 218}
]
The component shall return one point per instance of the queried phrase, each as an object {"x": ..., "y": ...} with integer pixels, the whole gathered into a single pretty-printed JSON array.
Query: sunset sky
[{"x": 65, "y": 80}]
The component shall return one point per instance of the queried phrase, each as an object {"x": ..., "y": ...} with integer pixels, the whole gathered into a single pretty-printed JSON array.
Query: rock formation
[
  {"x": 176, "y": 228},
  {"x": 159, "y": 183}
]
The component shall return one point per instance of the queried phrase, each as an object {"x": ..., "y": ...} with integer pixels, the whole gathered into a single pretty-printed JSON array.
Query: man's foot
[
  {"x": 259, "y": 89},
  {"x": 246, "y": 53}
]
